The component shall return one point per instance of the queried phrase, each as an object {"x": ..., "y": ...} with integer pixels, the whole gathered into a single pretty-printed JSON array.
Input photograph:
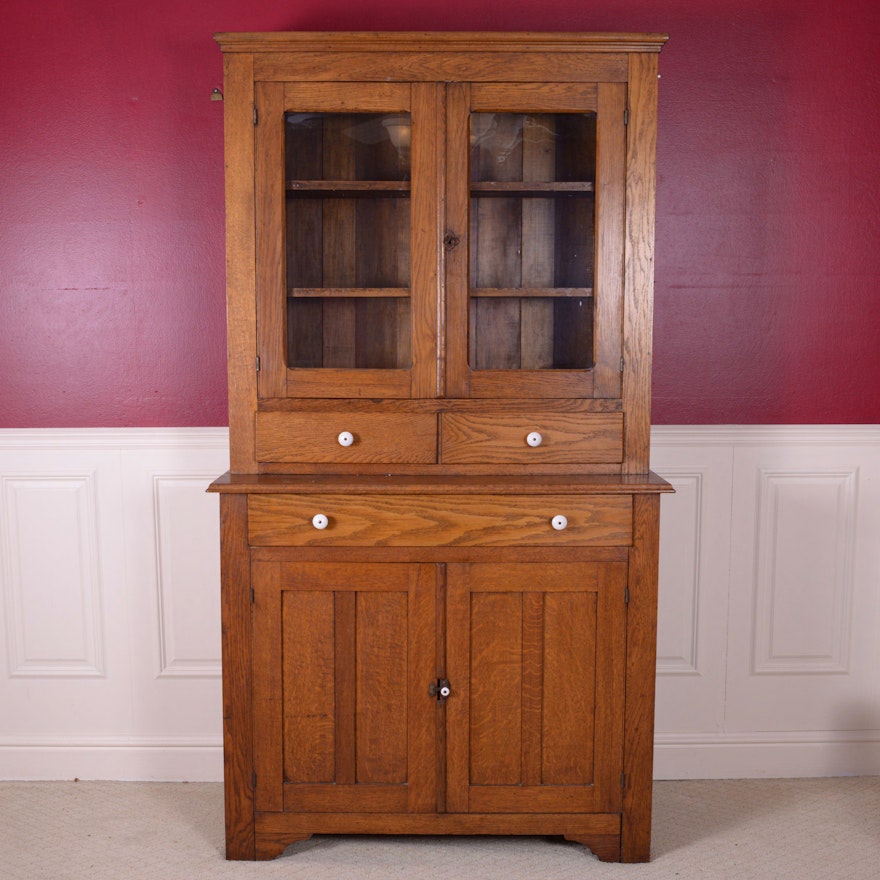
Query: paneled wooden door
[
  {"x": 535, "y": 660},
  {"x": 534, "y": 243},
  {"x": 347, "y": 236},
  {"x": 343, "y": 658}
]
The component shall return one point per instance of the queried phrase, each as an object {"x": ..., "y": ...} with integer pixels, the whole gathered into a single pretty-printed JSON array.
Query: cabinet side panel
[
  {"x": 641, "y": 661},
  {"x": 240, "y": 259},
  {"x": 237, "y": 723},
  {"x": 639, "y": 262}
]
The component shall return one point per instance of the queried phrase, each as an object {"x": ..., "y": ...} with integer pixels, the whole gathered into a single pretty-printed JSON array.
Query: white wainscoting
[
  {"x": 769, "y": 631},
  {"x": 768, "y": 652}
]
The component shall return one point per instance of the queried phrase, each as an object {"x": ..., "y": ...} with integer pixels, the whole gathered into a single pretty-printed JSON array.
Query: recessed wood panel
[
  {"x": 381, "y": 662},
  {"x": 569, "y": 703},
  {"x": 496, "y": 689},
  {"x": 308, "y": 679}
]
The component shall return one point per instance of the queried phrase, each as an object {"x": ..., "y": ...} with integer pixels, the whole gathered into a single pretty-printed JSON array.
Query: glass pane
[
  {"x": 347, "y": 244},
  {"x": 531, "y": 333},
  {"x": 532, "y": 240},
  {"x": 349, "y": 332}
]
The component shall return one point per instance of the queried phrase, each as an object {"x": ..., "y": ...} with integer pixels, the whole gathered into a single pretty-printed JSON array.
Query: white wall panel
[
  {"x": 188, "y": 566},
  {"x": 81, "y": 524},
  {"x": 803, "y": 580},
  {"x": 804, "y": 611},
  {"x": 52, "y": 579},
  {"x": 769, "y": 602},
  {"x": 694, "y": 564}
]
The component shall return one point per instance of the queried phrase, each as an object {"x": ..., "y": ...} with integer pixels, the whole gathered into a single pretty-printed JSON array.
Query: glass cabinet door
[
  {"x": 337, "y": 304},
  {"x": 539, "y": 286}
]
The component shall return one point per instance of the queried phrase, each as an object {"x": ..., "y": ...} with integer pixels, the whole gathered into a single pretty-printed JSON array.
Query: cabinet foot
[
  {"x": 272, "y": 847},
  {"x": 606, "y": 847}
]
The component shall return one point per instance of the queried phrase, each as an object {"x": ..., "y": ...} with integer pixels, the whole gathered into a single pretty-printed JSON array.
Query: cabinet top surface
[
  {"x": 568, "y": 484},
  {"x": 441, "y": 41}
]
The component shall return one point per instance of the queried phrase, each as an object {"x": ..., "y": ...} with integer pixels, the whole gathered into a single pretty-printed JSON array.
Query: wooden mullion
[
  {"x": 458, "y": 631},
  {"x": 532, "y": 685},
  {"x": 344, "y": 638},
  {"x": 422, "y": 637},
  {"x": 456, "y": 256},
  {"x": 270, "y": 225},
  {"x": 425, "y": 234}
]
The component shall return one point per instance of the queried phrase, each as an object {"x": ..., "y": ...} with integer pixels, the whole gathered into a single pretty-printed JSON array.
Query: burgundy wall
[{"x": 111, "y": 193}]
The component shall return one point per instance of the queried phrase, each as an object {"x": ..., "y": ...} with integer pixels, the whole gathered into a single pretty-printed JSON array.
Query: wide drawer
[
  {"x": 445, "y": 520},
  {"x": 403, "y": 438},
  {"x": 531, "y": 438}
]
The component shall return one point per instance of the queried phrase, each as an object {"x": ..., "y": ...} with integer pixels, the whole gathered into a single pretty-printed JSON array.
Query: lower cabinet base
[{"x": 601, "y": 833}]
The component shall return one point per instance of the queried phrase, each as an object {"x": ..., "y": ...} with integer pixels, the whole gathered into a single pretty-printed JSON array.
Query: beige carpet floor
[{"x": 810, "y": 829}]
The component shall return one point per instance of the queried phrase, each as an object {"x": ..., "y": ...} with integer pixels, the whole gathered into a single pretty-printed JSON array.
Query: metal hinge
[
  {"x": 625, "y": 116},
  {"x": 622, "y": 364},
  {"x": 623, "y": 780},
  {"x": 258, "y": 363},
  {"x": 252, "y": 595},
  {"x": 254, "y": 780},
  {"x": 256, "y": 117},
  {"x": 626, "y": 595}
]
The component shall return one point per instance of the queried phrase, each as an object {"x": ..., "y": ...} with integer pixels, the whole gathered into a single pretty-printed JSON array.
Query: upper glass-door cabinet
[
  {"x": 344, "y": 174},
  {"x": 537, "y": 194}
]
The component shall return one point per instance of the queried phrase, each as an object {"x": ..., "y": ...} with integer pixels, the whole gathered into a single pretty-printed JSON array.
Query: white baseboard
[
  {"x": 729, "y": 756},
  {"x": 769, "y": 608},
  {"x": 156, "y": 760}
]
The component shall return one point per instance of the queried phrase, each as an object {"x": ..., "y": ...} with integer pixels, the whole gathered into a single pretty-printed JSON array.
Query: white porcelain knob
[
  {"x": 445, "y": 691},
  {"x": 559, "y": 522},
  {"x": 534, "y": 439},
  {"x": 319, "y": 521},
  {"x": 346, "y": 438}
]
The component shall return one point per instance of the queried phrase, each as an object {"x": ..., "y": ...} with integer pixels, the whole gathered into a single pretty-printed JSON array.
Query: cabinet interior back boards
[{"x": 439, "y": 530}]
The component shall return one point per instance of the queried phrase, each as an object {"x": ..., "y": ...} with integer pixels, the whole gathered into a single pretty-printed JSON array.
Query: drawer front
[
  {"x": 539, "y": 438},
  {"x": 445, "y": 520},
  {"x": 404, "y": 438}
]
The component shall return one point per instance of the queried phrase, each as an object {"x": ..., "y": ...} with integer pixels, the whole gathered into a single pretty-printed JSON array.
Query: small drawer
[
  {"x": 402, "y": 438},
  {"x": 445, "y": 520},
  {"x": 536, "y": 438}
]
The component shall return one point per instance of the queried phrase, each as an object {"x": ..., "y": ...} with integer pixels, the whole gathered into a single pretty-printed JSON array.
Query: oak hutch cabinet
[{"x": 439, "y": 531}]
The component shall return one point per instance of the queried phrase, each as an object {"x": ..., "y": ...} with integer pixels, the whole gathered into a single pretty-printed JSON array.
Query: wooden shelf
[
  {"x": 387, "y": 188},
  {"x": 522, "y": 292},
  {"x": 339, "y": 292},
  {"x": 529, "y": 188}
]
